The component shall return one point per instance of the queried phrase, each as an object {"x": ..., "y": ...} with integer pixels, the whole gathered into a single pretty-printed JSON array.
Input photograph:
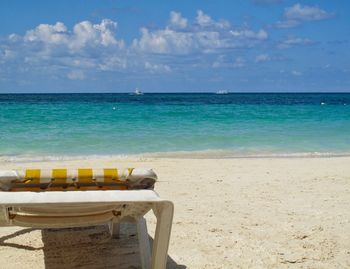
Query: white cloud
[
  {"x": 262, "y": 58},
  {"x": 84, "y": 34},
  {"x": 163, "y": 41},
  {"x": 113, "y": 62},
  {"x": 14, "y": 38},
  {"x": 297, "y": 14},
  {"x": 249, "y": 34},
  {"x": 239, "y": 62},
  {"x": 76, "y": 75},
  {"x": 223, "y": 61},
  {"x": 306, "y": 13},
  {"x": 203, "y": 19},
  {"x": 157, "y": 68},
  {"x": 296, "y": 73},
  {"x": 204, "y": 36},
  {"x": 51, "y": 34},
  {"x": 86, "y": 46},
  {"x": 294, "y": 41},
  {"x": 6, "y": 55},
  {"x": 287, "y": 24},
  {"x": 58, "y": 51},
  {"x": 177, "y": 20}
]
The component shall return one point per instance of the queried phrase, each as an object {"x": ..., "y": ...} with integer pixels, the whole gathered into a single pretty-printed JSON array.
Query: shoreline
[{"x": 204, "y": 154}]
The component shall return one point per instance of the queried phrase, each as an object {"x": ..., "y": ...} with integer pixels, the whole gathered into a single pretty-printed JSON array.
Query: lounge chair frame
[{"x": 32, "y": 209}]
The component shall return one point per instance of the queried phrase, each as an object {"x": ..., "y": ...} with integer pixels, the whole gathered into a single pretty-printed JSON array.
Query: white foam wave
[
  {"x": 41, "y": 158},
  {"x": 204, "y": 154}
]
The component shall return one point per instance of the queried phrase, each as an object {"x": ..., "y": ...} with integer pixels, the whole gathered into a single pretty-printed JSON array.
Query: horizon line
[{"x": 187, "y": 92}]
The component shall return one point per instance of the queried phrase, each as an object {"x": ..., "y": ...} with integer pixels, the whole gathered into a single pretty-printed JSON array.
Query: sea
[{"x": 59, "y": 126}]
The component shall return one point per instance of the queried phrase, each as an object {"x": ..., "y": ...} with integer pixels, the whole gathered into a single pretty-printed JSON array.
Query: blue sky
[{"x": 172, "y": 46}]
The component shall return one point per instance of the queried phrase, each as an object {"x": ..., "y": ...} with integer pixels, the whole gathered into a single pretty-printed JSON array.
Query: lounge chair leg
[
  {"x": 164, "y": 212},
  {"x": 145, "y": 249},
  {"x": 114, "y": 228}
]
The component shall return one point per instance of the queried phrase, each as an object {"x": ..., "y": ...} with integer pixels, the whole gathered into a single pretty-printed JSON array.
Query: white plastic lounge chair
[{"x": 63, "y": 198}]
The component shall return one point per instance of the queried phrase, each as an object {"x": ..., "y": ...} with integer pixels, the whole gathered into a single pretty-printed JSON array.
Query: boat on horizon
[
  {"x": 138, "y": 92},
  {"x": 222, "y": 92}
]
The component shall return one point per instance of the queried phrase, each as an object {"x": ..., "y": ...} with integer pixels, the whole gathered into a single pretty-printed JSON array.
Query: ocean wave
[
  {"x": 234, "y": 154},
  {"x": 44, "y": 158},
  {"x": 203, "y": 154}
]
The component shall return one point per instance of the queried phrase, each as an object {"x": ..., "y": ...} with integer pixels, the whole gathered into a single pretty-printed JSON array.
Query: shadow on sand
[{"x": 89, "y": 247}]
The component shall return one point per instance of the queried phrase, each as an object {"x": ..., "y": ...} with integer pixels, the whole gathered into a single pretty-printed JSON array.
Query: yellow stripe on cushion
[
  {"x": 32, "y": 176},
  {"x": 110, "y": 174},
  {"x": 59, "y": 175},
  {"x": 130, "y": 171},
  {"x": 85, "y": 175}
]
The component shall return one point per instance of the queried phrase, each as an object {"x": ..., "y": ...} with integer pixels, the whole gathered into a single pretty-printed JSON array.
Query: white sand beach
[{"x": 229, "y": 213}]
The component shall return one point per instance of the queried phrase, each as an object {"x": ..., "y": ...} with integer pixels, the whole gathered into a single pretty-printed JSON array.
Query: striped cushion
[{"x": 76, "y": 179}]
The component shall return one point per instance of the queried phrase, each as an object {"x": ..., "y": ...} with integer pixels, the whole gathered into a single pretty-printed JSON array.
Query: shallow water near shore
[{"x": 203, "y": 124}]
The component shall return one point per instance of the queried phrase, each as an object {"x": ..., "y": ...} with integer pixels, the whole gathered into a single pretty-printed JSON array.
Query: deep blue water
[{"x": 115, "y": 124}]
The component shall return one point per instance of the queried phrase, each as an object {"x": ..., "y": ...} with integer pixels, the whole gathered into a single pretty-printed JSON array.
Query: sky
[{"x": 174, "y": 46}]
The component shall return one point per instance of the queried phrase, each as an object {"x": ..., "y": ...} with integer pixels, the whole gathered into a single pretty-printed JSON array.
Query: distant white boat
[
  {"x": 222, "y": 92},
  {"x": 138, "y": 92}
]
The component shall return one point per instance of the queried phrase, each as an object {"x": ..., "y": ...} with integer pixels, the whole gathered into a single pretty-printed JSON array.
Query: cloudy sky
[{"x": 174, "y": 46}]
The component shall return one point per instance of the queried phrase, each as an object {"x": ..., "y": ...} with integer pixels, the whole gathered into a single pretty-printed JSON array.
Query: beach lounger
[{"x": 63, "y": 198}]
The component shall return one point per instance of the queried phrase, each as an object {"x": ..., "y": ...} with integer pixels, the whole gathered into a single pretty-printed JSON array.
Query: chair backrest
[{"x": 62, "y": 179}]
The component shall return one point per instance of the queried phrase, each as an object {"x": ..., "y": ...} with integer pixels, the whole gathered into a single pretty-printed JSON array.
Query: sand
[{"x": 229, "y": 213}]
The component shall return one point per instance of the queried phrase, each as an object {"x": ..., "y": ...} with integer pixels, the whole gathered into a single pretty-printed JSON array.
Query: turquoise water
[{"x": 122, "y": 124}]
